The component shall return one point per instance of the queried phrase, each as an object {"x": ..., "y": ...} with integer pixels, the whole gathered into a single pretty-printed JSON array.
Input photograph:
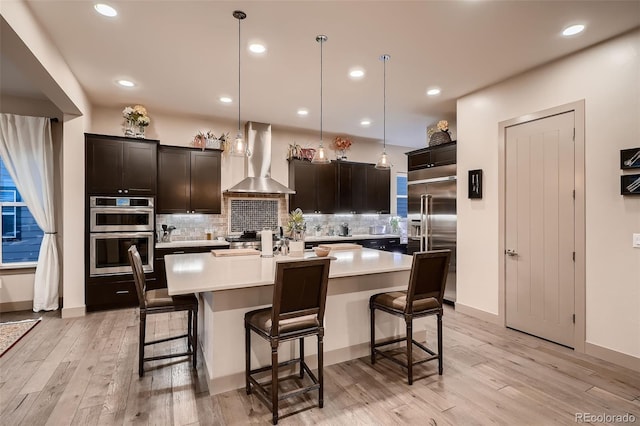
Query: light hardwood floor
[{"x": 83, "y": 371}]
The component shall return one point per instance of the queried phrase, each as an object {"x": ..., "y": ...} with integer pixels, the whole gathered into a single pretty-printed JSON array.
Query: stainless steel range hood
[{"x": 258, "y": 169}]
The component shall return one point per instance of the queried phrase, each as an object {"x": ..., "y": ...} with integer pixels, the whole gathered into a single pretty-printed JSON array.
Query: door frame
[{"x": 578, "y": 108}]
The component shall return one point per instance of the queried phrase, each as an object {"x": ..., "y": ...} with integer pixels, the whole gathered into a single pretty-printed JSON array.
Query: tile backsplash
[{"x": 253, "y": 215}]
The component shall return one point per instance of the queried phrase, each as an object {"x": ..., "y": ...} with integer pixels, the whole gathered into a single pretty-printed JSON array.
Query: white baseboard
[
  {"x": 629, "y": 361},
  {"x": 477, "y": 313},
  {"x": 78, "y": 311},
  {"x": 25, "y": 305}
]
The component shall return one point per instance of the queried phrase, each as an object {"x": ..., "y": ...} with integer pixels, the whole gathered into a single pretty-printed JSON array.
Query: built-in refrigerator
[{"x": 432, "y": 215}]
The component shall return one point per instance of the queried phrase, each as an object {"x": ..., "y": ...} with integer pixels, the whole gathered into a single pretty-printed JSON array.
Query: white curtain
[{"x": 27, "y": 152}]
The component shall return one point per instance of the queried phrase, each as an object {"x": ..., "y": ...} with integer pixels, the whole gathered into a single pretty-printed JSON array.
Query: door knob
[{"x": 511, "y": 252}]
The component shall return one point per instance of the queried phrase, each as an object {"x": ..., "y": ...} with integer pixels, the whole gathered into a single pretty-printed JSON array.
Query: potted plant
[{"x": 296, "y": 227}]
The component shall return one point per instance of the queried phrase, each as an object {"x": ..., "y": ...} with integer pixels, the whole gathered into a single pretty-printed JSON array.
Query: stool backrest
[
  {"x": 138, "y": 275},
  {"x": 428, "y": 276},
  {"x": 300, "y": 290}
]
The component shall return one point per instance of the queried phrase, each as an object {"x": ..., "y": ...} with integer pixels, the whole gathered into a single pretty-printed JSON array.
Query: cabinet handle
[
  {"x": 178, "y": 252},
  {"x": 119, "y": 191},
  {"x": 122, "y": 292},
  {"x": 126, "y": 191}
]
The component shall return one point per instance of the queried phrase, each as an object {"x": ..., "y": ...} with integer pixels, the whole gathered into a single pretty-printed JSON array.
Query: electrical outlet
[{"x": 636, "y": 240}]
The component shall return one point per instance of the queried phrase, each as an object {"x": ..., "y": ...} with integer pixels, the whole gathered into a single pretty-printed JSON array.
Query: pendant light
[
  {"x": 239, "y": 146},
  {"x": 383, "y": 162},
  {"x": 320, "y": 156}
]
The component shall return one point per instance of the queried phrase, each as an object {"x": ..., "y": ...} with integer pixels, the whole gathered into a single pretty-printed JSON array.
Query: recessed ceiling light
[
  {"x": 573, "y": 30},
  {"x": 365, "y": 122},
  {"x": 433, "y": 92},
  {"x": 105, "y": 10},
  {"x": 303, "y": 111},
  {"x": 356, "y": 73},
  {"x": 225, "y": 99},
  {"x": 257, "y": 48},
  {"x": 126, "y": 83}
]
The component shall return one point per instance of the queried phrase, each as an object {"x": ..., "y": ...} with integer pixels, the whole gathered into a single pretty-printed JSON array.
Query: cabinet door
[
  {"x": 327, "y": 183},
  {"x": 444, "y": 156},
  {"x": 352, "y": 187},
  {"x": 173, "y": 180},
  {"x": 419, "y": 160},
  {"x": 302, "y": 178},
  {"x": 378, "y": 190},
  {"x": 103, "y": 166},
  {"x": 139, "y": 168},
  {"x": 205, "y": 182}
]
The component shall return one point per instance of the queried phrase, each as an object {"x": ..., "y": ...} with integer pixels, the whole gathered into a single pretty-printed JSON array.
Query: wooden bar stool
[
  {"x": 157, "y": 302},
  {"x": 299, "y": 296},
  {"x": 423, "y": 298}
]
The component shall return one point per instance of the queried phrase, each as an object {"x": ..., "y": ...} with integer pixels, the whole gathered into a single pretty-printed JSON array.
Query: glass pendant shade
[
  {"x": 320, "y": 156},
  {"x": 239, "y": 147},
  {"x": 383, "y": 162}
]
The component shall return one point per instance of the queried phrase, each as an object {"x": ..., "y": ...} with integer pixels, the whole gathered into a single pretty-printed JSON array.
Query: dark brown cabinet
[
  {"x": 117, "y": 165},
  {"x": 315, "y": 186},
  {"x": 378, "y": 191},
  {"x": 339, "y": 187},
  {"x": 188, "y": 181},
  {"x": 440, "y": 155}
]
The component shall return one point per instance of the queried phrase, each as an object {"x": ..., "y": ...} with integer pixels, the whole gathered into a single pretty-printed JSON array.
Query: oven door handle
[{"x": 117, "y": 210}]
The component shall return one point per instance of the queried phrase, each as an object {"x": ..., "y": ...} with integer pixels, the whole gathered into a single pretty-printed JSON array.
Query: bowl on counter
[
  {"x": 321, "y": 251},
  {"x": 377, "y": 230}
]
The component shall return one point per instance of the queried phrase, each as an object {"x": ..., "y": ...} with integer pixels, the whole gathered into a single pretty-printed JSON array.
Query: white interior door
[{"x": 540, "y": 223}]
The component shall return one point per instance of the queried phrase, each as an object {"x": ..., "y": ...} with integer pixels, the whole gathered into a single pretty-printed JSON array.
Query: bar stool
[
  {"x": 299, "y": 297},
  {"x": 423, "y": 298},
  {"x": 157, "y": 302}
]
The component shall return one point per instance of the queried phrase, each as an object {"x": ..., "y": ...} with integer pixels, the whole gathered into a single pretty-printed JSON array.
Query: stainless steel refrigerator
[{"x": 432, "y": 215}]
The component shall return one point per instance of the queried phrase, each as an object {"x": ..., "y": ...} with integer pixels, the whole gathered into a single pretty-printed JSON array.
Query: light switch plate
[{"x": 636, "y": 240}]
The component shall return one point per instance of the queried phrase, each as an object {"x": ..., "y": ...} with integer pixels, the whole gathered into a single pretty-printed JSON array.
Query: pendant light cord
[
  {"x": 384, "y": 104},
  {"x": 239, "y": 20},
  {"x": 321, "y": 43}
]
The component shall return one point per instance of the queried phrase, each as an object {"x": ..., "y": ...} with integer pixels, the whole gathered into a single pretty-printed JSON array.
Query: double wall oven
[{"x": 115, "y": 224}]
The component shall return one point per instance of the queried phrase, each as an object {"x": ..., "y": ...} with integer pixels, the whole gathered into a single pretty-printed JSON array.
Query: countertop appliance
[{"x": 432, "y": 215}]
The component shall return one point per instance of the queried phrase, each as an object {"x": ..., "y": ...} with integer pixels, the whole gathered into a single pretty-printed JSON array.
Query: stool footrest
[{"x": 166, "y": 339}]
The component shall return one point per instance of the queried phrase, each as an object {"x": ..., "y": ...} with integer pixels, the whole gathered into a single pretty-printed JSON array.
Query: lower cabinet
[
  {"x": 113, "y": 291},
  {"x": 387, "y": 244}
]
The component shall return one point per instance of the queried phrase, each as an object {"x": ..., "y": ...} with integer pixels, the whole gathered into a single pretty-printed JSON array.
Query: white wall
[
  {"x": 39, "y": 59},
  {"x": 607, "y": 77}
]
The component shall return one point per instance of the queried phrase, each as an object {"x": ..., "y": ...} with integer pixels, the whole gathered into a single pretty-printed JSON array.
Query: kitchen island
[{"x": 228, "y": 287}]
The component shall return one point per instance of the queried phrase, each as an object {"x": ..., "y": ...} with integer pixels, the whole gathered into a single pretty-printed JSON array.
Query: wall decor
[
  {"x": 630, "y": 184},
  {"x": 475, "y": 184},
  {"x": 630, "y": 158}
]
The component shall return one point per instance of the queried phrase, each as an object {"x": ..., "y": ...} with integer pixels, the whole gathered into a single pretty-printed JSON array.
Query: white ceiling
[{"x": 183, "y": 55}]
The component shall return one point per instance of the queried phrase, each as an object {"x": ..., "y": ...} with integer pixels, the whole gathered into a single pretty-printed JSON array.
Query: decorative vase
[
  {"x": 139, "y": 132},
  {"x": 438, "y": 138},
  {"x": 129, "y": 128},
  {"x": 341, "y": 154}
]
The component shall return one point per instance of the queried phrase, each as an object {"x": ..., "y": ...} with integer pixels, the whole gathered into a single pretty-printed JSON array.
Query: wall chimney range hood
[{"x": 258, "y": 164}]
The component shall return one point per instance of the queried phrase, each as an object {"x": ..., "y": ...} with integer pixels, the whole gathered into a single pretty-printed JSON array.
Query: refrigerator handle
[
  {"x": 425, "y": 201},
  {"x": 429, "y": 217}
]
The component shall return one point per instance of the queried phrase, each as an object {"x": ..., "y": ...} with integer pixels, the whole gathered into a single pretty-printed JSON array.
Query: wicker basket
[{"x": 438, "y": 138}]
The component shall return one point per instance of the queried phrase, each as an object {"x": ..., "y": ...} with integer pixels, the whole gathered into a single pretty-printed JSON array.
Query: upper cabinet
[
  {"x": 117, "y": 165},
  {"x": 339, "y": 187},
  {"x": 439, "y": 155},
  {"x": 315, "y": 186},
  {"x": 188, "y": 180}
]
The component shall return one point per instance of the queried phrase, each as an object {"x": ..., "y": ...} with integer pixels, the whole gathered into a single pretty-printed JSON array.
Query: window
[
  {"x": 21, "y": 235},
  {"x": 401, "y": 194}
]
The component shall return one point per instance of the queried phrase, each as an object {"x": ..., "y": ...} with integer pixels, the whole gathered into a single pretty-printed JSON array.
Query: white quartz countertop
[
  {"x": 353, "y": 237},
  {"x": 193, "y": 243},
  {"x": 201, "y": 272}
]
